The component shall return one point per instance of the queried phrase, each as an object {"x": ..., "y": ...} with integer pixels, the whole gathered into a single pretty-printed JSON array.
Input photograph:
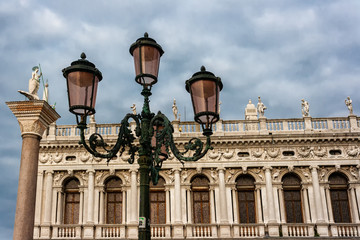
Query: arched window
[
  {"x": 292, "y": 198},
  {"x": 113, "y": 201},
  {"x": 339, "y": 198},
  {"x": 72, "y": 201},
  {"x": 201, "y": 203},
  {"x": 246, "y": 198},
  {"x": 157, "y": 202}
]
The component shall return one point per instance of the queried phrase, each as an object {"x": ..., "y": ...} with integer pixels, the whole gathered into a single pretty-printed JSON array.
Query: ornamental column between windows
[
  {"x": 353, "y": 204},
  {"x": 222, "y": 193},
  {"x": 328, "y": 202},
  {"x": 167, "y": 205},
  {"x": 90, "y": 206},
  {"x": 81, "y": 211},
  {"x": 39, "y": 187},
  {"x": 189, "y": 204},
  {"x": 101, "y": 204},
  {"x": 317, "y": 194},
  {"x": 48, "y": 197},
  {"x": 306, "y": 203},
  {"x": 282, "y": 205},
  {"x": 177, "y": 190},
  {"x": 212, "y": 205},
  {"x": 270, "y": 194},
  {"x": 258, "y": 203},
  {"x": 235, "y": 204},
  {"x": 59, "y": 205},
  {"x": 133, "y": 197}
]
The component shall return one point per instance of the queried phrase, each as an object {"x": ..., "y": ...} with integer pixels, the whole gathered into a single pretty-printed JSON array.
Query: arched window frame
[
  {"x": 246, "y": 198},
  {"x": 113, "y": 199},
  {"x": 158, "y": 202},
  {"x": 201, "y": 195},
  {"x": 293, "y": 198},
  {"x": 340, "y": 199},
  {"x": 72, "y": 199}
]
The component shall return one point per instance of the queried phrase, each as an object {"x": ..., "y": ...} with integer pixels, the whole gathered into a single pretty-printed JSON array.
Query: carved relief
[
  {"x": 306, "y": 173},
  {"x": 57, "y": 157},
  {"x": 170, "y": 175},
  {"x": 228, "y": 154},
  {"x": 44, "y": 157},
  {"x": 320, "y": 151},
  {"x": 213, "y": 155},
  {"x": 98, "y": 177},
  {"x": 353, "y": 151},
  {"x": 184, "y": 175},
  {"x": 84, "y": 157},
  {"x": 126, "y": 176},
  {"x": 276, "y": 173},
  {"x": 322, "y": 173},
  {"x": 84, "y": 176},
  {"x": 258, "y": 172},
  {"x": 257, "y": 153},
  {"x": 57, "y": 177},
  {"x": 304, "y": 152},
  {"x": 214, "y": 175},
  {"x": 354, "y": 172},
  {"x": 230, "y": 173},
  {"x": 273, "y": 152}
]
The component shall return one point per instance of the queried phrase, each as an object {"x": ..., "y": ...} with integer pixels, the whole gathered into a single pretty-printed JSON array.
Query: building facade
[{"x": 264, "y": 177}]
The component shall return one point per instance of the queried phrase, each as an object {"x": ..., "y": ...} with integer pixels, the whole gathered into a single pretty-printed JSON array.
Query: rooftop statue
[
  {"x": 175, "y": 110},
  {"x": 34, "y": 84},
  {"x": 305, "y": 108},
  {"x": 348, "y": 103},
  {"x": 133, "y": 108},
  {"x": 261, "y": 108}
]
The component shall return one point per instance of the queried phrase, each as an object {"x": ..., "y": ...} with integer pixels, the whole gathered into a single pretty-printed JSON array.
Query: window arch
[
  {"x": 201, "y": 199},
  {"x": 114, "y": 200},
  {"x": 157, "y": 202},
  {"x": 72, "y": 201},
  {"x": 292, "y": 198},
  {"x": 339, "y": 197},
  {"x": 245, "y": 186}
]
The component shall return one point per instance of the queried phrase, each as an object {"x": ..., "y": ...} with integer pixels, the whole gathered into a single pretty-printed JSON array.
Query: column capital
[
  {"x": 90, "y": 171},
  {"x": 267, "y": 168},
  {"x": 33, "y": 116},
  {"x": 49, "y": 172},
  {"x": 221, "y": 169},
  {"x": 314, "y": 167}
]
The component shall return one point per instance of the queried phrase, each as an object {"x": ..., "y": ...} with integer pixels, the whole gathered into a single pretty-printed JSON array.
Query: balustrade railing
[
  {"x": 248, "y": 230},
  {"x": 275, "y": 126},
  {"x": 345, "y": 230},
  {"x": 66, "y": 232},
  {"x": 297, "y": 230}
]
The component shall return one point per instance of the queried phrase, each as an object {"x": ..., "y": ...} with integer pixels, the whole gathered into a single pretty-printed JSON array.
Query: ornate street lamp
[{"x": 154, "y": 131}]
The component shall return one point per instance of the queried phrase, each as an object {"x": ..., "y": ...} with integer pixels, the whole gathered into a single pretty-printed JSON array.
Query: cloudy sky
[{"x": 282, "y": 51}]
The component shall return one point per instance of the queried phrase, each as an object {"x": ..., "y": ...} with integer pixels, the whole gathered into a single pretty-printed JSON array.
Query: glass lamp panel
[
  {"x": 146, "y": 64},
  {"x": 204, "y": 95},
  {"x": 82, "y": 89}
]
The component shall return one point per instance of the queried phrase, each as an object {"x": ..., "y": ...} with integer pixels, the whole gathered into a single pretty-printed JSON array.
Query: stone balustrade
[{"x": 262, "y": 126}]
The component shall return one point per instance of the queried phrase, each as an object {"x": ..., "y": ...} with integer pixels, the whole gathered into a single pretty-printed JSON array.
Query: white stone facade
[{"x": 265, "y": 149}]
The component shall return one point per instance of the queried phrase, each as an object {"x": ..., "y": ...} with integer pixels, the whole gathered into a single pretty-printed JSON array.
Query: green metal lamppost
[{"x": 154, "y": 131}]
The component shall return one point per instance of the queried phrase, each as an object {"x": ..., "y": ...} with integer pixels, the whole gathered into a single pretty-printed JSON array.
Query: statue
[
  {"x": 133, "y": 108},
  {"x": 305, "y": 108},
  {"x": 348, "y": 103},
  {"x": 175, "y": 110},
  {"x": 261, "y": 108},
  {"x": 34, "y": 84}
]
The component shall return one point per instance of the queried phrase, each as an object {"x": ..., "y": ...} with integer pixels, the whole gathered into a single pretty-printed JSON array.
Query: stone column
[
  {"x": 328, "y": 202},
  {"x": 273, "y": 227},
  {"x": 39, "y": 187},
  {"x": 34, "y": 117},
  {"x": 102, "y": 205},
  {"x": 306, "y": 204},
  {"x": 178, "y": 225},
  {"x": 235, "y": 204},
  {"x": 353, "y": 204},
  {"x": 322, "y": 227},
  {"x": 282, "y": 204},
  {"x": 89, "y": 227},
  {"x": 133, "y": 225},
  {"x": 224, "y": 221}
]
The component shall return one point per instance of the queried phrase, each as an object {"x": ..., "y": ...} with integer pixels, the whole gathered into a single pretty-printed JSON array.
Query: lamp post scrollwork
[{"x": 155, "y": 132}]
